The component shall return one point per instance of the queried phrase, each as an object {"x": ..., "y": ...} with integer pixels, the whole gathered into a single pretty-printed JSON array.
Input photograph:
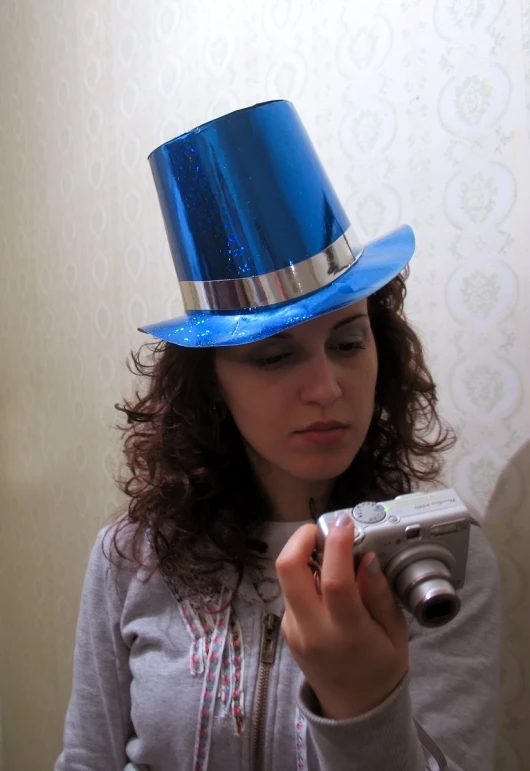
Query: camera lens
[
  {"x": 434, "y": 602},
  {"x": 426, "y": 590},
  {"x": 438, "y": 612}
]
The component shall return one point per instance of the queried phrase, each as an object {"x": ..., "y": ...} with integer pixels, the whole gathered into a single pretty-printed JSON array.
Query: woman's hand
[{"x": 350, "y": 641}]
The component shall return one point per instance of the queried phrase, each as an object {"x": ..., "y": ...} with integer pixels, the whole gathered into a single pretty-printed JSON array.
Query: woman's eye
[
  {"x": 272, "y": 360},
  {"x": 348, "y": 346}
]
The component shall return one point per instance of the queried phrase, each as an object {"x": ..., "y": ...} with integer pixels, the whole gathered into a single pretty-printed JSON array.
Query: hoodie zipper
[
  {"x": 270, "y": 627},
  {"x": 435, "y": 753}
]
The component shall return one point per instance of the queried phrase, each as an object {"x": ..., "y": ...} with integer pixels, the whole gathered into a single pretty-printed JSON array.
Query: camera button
[
  {"x": 369, "y": 513},
  {"x": 392, "y": 518},
  {"x": 359, "y": 536}
]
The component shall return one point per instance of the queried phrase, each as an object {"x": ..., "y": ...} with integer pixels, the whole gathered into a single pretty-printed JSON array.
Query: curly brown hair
[{"x": 190, "y": 482}]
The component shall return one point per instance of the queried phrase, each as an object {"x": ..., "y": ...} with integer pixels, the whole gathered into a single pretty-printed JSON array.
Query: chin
[{"x": 321, "y": 469}]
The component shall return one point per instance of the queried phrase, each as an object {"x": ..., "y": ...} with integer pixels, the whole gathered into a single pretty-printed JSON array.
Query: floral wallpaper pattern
[{"x": 420, "y": 110}]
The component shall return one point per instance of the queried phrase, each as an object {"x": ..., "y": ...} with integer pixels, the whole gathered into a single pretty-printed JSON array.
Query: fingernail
[
  {"x": 343, "y": 520},
  {"x": 373, "y": 568}
]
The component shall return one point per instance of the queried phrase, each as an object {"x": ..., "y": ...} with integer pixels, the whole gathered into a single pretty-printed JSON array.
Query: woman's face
[{"x": 303, "y": 399}]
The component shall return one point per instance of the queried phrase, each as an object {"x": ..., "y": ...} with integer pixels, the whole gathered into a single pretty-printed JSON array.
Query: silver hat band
[{"x": 290, "y": 283}]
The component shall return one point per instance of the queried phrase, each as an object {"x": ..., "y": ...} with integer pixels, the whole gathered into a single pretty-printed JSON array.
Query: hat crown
[{"x": 245, "y": 195}]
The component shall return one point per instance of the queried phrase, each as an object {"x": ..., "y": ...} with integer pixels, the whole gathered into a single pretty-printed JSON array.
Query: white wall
[{"x": 419, "y": 110}]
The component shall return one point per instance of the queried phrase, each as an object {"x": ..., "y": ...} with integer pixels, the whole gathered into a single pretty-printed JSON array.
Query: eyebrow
[{"x": 338, "y": 325}]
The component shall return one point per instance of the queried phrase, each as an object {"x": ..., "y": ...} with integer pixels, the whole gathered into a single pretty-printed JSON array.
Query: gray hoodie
[{"x": 162, "y": 683}]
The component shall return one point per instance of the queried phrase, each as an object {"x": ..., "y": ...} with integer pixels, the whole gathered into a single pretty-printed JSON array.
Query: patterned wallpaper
[{"x": 420, "y": 110}]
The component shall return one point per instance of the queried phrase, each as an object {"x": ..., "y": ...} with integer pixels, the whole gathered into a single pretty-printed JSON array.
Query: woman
[{"x": 292, "y": 386}]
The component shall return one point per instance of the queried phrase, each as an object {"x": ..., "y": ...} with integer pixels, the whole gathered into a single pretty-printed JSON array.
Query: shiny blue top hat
[{"x": 259, "y": 238}]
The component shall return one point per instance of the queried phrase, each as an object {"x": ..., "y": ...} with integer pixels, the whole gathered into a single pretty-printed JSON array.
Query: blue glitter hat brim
[{"x": 381, "y": 261}]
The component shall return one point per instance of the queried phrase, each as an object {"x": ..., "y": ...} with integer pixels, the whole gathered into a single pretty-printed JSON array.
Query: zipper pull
[{"x": 269, "y": 638}]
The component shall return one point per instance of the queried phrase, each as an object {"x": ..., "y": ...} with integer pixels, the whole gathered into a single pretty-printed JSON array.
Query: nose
[{"x": 320, "y": 381}]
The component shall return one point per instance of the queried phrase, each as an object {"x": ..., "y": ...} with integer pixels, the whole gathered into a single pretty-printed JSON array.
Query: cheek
[
  {"x": 259, "y": 411},
  {"x": 259, "y": 414},
  {"x": 359, "y": 392}
]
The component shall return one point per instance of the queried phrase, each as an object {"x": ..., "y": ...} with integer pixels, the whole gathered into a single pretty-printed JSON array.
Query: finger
[
  {"x": 377, "y": 596},
  {"x": 337, "y": 579},
  {"x": 296, "y": 578}
]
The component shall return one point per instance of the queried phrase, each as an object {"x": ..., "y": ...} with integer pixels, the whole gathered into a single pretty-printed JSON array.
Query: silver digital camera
[{"x": 421, "y": 540}]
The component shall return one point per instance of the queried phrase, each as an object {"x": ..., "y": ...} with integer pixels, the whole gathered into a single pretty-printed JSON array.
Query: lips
[
  {"x": 325, "y": 433},
  {"x": 323, "y": 426}
]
